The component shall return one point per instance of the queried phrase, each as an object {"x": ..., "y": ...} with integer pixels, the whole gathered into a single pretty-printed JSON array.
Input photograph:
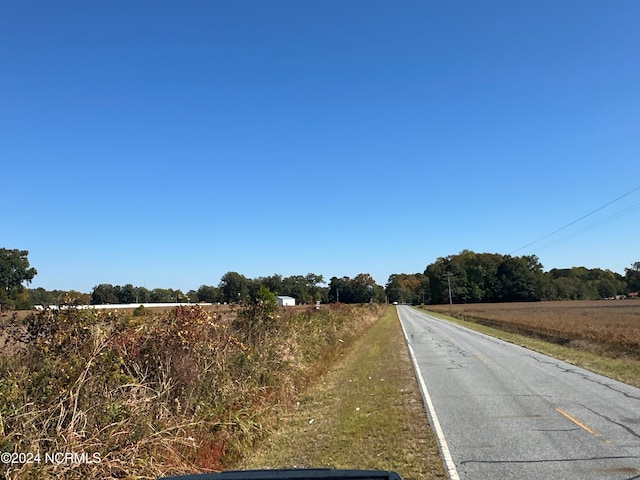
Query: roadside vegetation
[
  {"x": 365, "y": 413},
  {"x": 602, "y": 336},
  {"x": 152, "y": 394}
]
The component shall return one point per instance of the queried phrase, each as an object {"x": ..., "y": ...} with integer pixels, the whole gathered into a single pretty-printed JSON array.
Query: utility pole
[{"x": 449, "y": 275}]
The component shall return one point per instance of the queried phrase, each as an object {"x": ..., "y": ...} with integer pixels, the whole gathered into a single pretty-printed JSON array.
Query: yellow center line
[
  {"x": 480, "y": 358},
  {"x": 580, "y": 424}
]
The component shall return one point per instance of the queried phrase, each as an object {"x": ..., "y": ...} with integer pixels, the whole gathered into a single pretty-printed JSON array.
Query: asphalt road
[{"x": 505, "y": 412}]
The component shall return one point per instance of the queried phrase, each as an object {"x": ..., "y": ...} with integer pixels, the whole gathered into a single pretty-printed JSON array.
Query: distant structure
[{"x": 284, "y": 301}]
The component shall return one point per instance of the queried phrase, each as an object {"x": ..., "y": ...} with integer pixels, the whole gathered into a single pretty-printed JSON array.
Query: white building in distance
[{"x": 284, "y": 301}]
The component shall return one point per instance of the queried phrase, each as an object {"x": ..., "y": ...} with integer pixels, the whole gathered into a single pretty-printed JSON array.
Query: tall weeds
[{"x": 187, "y": 390}]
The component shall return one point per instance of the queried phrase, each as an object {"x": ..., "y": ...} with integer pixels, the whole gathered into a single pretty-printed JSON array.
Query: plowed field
[{"x": 608, "y": 327}]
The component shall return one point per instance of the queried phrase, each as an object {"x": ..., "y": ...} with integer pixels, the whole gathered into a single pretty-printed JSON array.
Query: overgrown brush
[{"x": 183, "y": 391}]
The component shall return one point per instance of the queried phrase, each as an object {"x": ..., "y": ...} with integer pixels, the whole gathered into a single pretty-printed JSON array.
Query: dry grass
[
  {"x": 176, "y": 392},
  {"x": 610, "y": 328}
]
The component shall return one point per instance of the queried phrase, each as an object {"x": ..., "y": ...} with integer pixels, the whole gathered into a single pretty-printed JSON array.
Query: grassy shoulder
[
  {"x": 624, "y": 370},
  {"x": 365, "y": 413}
]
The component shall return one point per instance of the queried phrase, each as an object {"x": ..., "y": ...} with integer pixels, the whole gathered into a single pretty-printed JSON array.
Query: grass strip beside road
[
  {"x": 624, "y": 370},
  {"x": 365, "y": 413}
]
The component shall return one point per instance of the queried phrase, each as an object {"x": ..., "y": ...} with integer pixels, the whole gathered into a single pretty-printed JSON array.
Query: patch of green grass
[
  {"x": 623, "y": 370},
  {"x": 365, "y": 413}
]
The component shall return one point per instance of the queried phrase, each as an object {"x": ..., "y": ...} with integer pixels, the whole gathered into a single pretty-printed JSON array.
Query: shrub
[
  {"x": 185, "y": 391},
  {"x": 140, "y": 311}
]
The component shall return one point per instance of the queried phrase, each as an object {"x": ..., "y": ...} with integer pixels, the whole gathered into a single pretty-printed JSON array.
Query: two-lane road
[{"x": 509, "y": 412}]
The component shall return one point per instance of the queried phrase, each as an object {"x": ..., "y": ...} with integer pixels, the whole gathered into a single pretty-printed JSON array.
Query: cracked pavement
[{"x": 509, "y": 412}]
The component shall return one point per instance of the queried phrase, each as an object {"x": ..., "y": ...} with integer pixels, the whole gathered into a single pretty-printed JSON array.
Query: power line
[
  {"x": 597, "y": 224},
  {"x": 576, "y": 221}
]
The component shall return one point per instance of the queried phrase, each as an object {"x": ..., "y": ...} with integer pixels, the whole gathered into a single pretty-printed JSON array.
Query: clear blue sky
[{"x": 166, "y": 143}]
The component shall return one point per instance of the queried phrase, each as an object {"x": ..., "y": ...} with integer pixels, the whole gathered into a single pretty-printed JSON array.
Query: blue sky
[{"x": 166, "y": 143}]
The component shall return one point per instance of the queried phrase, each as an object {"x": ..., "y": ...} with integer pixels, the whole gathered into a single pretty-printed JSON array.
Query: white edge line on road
[{"x": 431, "y": 411}]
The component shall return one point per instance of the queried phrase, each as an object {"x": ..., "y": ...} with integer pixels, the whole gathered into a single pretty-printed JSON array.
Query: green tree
[
  {"x": 273, "y": 283},
  {"x": 360, "y": 289},
  {"x": 519, "y": 280},
  {"x": 235, "y": 287},
  {"x": 143, "y": 295},
  {"x": 127, "y": 294},
  {"x": 632, "y": 276},
  {"x": 339, "y": 290},
  {"x": 14, "y": 271},
  {"x": 207, "y": 293},
  {"x": 313, "y": 284},
  {"x": 363, "y": 288},
  {"x": 485, "y": 277},
  {"x": 104, "y": 294},
  {"x": 437, "y": 273},
  {"x": 296, "y": 286},
  {"x": 39, "y": 296},
  {"x": 407, "y": 288},
  {"x": 258, "y": 316},
  {"x": 165, "y": 295},
  {"x": 79, "y": 298}
]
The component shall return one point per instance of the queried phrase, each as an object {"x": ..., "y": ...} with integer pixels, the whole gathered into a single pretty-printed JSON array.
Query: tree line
[
  {"x": 468, "y": 276},
  {"x": 233, "y": 288},
  {"x": 492, "y": 277}
]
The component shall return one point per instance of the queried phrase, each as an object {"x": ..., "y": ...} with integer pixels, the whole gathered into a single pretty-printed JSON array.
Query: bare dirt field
[{"x": 607, "y": 327}]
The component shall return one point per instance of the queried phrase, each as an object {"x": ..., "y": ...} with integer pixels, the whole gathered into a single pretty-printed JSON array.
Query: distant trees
[
  {"x": 632, "y": 276},
  {"x": 316, "y": 292},
  {"x": 14, "y": 271},
  {"x": 486, "y": 277},
  {"x": 208, "y": 294},
  {"x": 360, "y": 289},
  {"x": 40, "y": 296},
  {"x": 233, "y": 288},
  {"x": 296, "y": 286},
  {"x": 472, "y": 277},
  {"x": 492, "y": 277},
  {"x": 410, "y": 288},
  {"x": 236, "y": 288},
  {"x": 106, "y": 293},
  {"x": 580, "y": 283},
  {"x": 273, "y": 283},
  {"x": 519, "y": 279},
  {"x": 166, "y": 295}
]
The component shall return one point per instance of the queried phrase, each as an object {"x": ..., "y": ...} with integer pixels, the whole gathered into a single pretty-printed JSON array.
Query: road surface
[{"x": 502, "y": 411}]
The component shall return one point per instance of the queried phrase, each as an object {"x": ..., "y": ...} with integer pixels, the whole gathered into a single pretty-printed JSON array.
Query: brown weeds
[{"x": 182, "y": 391}]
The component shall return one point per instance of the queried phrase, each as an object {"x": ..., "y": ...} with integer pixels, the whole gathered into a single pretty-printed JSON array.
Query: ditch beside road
[{"x": 365, "y": 413}]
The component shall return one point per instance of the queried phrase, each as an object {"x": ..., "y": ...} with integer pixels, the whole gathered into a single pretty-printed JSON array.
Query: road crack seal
[
  {"x": 555, "y": 429},
  {"x": 585, "y": 376},
  {"x": 625, "y": 427},
  {"x": 552, "y": 460}
]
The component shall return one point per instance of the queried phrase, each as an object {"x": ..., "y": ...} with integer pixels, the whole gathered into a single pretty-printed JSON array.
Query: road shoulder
[{"x": 365, "y": 413}]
